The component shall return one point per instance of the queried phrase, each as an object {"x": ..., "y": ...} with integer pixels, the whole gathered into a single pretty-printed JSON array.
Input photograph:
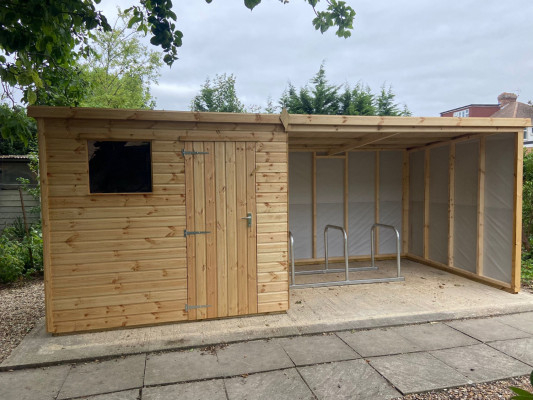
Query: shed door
[{"x": 220, "y": 195}]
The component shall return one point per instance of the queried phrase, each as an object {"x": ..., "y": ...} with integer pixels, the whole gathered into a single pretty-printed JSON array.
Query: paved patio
[
  {"x": 427, "y": 295},
  {"x": 381, "y": 363}
]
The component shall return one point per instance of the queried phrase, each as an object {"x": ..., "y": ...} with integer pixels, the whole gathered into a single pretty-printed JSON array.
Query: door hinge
[
  {"x": 192, "y": 153},
  {"x": 188, "y": 307},
  {"x": 186, "y": 232}
]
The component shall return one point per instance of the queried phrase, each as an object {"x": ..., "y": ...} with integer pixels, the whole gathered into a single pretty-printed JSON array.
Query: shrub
[
  {"x": 11, "y": 260},
  {"x": 15, "y": 259}
]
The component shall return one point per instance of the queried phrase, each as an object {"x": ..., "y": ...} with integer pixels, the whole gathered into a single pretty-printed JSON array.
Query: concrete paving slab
[
  {"x": 249, "y": 357},
  {"x": 306, "y": 350},
  {"x": 481, "y": 363},
  {"x": 31, "y": 384},
  {"x": 378, "y": 342},
  {"x": 347, "y": 380},
  {"x": 286, "y": 384},
  {"x": 211, "y": 390},
  {"x": 487, "y": 329},
  {"x": 104, "y": 377},
  {"x": 181, "y": 366},
  {"x": 522, "y": 321},
  {"x": 438, "y": 296},
  {"x": 417, "y": 372},
  {"x": 521, "y": 349},
  {"x": 124, "y": 395},
  {"x": 434, "y": 336}
]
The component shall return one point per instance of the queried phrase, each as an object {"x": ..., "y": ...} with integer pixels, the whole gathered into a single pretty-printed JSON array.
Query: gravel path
[
  {"x": 483, "y": 391},
  {"x": 22, "y": 305}
]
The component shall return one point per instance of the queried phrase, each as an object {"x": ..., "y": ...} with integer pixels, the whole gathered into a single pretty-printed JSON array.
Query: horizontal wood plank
[
  {"x": 85, "y": 268},
  {"x": 118, "y": 223},
  {"x": 110, "y": 212},
  {"x": 118, "y": 288},
  {"x": 272, "y": 217},
  {"x": 269, "y": 157},
  {"x": 273, "y": 287},
  {"x": 273, "y": 307},
  {"x": 274, "y": 276},
  {"x": 117, "y": 200},
  {"x": 80, "y": 236},
  {"x": 118, "y": 255},
  {"x": 118, "y": 277},
  {"x": 267, "y": 187},
  {"x": 114, "y": 311},
  {"x": 71, "y": 246},
  {"x": 119, "y": 322},
  {"x": 272, "y": 177},
  {"x": 118, "y": 300}
]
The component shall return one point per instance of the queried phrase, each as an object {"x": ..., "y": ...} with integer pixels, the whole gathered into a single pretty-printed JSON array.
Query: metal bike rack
[
  {"x": 346, "y": 269},
  {"x": 373, "y": 246}
]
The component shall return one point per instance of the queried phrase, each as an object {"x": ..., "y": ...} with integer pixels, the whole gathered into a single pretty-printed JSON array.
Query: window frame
[{"x": 149, "y": 141}]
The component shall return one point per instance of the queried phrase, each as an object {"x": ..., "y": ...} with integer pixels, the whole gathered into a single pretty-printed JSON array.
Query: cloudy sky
[{"x": 437, "y": 54}]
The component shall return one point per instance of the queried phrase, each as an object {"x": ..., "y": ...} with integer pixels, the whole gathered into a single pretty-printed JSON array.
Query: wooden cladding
[{"x": 116, "y": 260}]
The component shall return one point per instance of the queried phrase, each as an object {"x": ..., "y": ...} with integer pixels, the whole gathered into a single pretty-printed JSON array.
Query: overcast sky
[{"x": 437, "y": 54}]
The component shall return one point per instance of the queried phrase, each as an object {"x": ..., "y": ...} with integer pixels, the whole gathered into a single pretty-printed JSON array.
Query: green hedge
[{"x": 15, "y": 260}]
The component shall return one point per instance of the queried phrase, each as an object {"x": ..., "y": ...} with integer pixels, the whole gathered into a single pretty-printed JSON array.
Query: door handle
[{"x": 249, "y": 218}]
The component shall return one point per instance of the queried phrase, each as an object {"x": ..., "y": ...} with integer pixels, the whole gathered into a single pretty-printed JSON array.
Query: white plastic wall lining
[
  {"x": 466, "y": 198},
  {"x": 301, "y": 203},
  {"x": 438, "y": 203},
  {"x": 499, "y": 189},
  {"x": 416, "y": 203}
]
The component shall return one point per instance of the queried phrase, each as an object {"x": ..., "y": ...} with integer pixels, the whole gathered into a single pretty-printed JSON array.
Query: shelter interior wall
[
  {"x": 346, "y": 193},
  {"x": 498, "y": 224},
  {"x": 479, "y": 211}
]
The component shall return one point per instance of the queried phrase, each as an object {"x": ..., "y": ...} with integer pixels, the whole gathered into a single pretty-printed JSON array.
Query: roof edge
[
  {"x": 153, "y": 115},
  {"x": 47, "y": 112}
]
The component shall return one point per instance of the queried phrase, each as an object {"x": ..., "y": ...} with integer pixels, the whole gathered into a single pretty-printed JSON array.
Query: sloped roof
[{"x": 514, "y": 109}]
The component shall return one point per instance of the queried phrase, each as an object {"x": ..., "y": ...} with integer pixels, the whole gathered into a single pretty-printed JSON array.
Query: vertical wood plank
[
  {"x": 517, "y": 198},
  {"x": 242, "y": 228},
  {"x": 346, "y": 220},
  {"x": 200, "y": 240},
  {"x": 405, "y": 202},
  {"x": 426, "y": 203},
  {"x": 480, "y": 207},
  {"x": 314, "y": 203},
  {"x": 252, "y": 231},
  {"x": 231, "y": 226},
  {"x": 191, "y": 250},
  {"x": 210, "y": 226},
  {"x": 221, "y": 259},
  {"x": 376, "y": 198},
  {"x": 451, "y": 205},
  {"x": 47, "y": 261}
]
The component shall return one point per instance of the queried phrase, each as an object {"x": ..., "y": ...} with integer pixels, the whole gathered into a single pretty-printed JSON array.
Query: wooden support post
[
  {"x": 314, "y": 203},
  {"x": 376, "y": 199},
  {"x": 480, "y": 207},
  {"x": 426, "y": 203},
  {"x": 451, "y": 205},
  {"x": 45, "y": 214},
  {"x": 346, "y": 193},
  {"x": 517, "y": 231},
  {"x": 405, "y": 203}
]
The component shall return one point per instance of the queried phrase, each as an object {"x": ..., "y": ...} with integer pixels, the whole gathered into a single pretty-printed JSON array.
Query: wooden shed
[{"x": 156, "y": 216}]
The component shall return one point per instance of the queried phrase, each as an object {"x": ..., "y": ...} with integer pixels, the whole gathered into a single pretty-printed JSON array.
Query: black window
[{"x": 120, "y": 167}]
